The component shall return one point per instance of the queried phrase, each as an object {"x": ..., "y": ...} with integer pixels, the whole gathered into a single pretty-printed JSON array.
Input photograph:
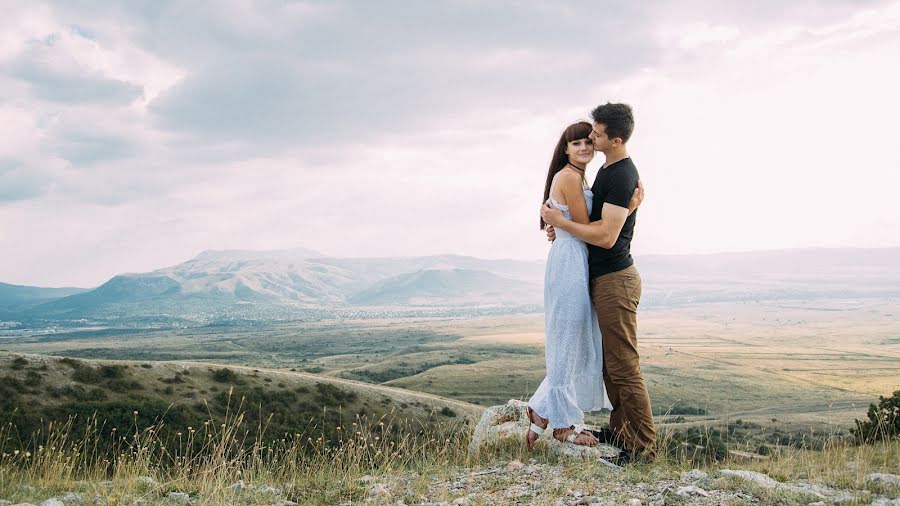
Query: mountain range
[{"x": 260, "y": 284}]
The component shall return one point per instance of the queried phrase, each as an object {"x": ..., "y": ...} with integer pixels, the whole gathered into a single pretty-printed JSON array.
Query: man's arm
[
  {"x": 603, "y": 233},
  {"x": 636, "y": 199}
]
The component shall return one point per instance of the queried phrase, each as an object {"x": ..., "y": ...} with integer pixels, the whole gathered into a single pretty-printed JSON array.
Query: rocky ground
[
  {"x": 531, "y": 482},
  {"x": 566, "y": 484}
]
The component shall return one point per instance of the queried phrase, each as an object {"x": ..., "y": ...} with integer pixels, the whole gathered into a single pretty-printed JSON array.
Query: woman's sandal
[
  {"x": 574, "y": 432},
  {"x": 537, "y": 429}
]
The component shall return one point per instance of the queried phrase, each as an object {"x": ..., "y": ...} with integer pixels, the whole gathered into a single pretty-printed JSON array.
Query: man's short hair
[{"x": 616, "y": 118}]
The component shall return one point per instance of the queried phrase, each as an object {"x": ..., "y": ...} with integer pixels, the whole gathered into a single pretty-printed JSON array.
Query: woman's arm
[{"x": 569, "y": 184}]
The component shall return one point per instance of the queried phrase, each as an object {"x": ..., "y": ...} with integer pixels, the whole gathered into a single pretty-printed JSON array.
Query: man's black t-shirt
[{"x": 614, "y": 184}]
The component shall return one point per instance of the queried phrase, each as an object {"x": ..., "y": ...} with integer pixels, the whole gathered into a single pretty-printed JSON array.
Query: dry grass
[
  {"x": 307, "y": 468},
  {"x": 207, "y": 461}
]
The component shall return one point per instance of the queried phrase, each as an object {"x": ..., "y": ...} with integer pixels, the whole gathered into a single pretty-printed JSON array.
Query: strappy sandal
[
  {"x": 576, "y": 431},
  {"x": 537, "y": 429}
]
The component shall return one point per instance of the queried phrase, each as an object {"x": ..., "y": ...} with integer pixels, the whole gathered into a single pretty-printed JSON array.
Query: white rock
[
  {"x": 884, "y": 479},
  {"x": 694, "y": 475},
  {"x": 72, "y": 498},
  {"x": 269, "y": 489},
  {"x": 379, "y": 490},
  {"x": 53, "y": 502},
  {"x": 886, "y": 502},
  {"x": 4, "y": 502},
  {"x": 23, "y": 504},
  {"x": 633, "y": 502},
  {"x": 179, "y": 497},
  {"x": 499, "y": 423},
  {"x": 758, "y": 478},
  {"x": 238, "y": 486},
  {"x": 510, "y": 422},
  {"x": 691, "y": 490},
  {"x": 817, "y": 503},
  {"x": 461, "y": 501},
  {"x": 147, "y": 481}
]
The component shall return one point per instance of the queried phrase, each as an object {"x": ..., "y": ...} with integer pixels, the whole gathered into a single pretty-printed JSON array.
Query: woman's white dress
[{"x": 574, "y": 349}]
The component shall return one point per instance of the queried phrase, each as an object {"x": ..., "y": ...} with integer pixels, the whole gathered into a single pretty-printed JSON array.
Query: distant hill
[
  {"x": 430, "y": 286},
  {"x": 274, "y": 283},
  {"x": 12, "y": 296},
  {"x": 782, "y": 275},
  {"x": 300, "y": 283}
]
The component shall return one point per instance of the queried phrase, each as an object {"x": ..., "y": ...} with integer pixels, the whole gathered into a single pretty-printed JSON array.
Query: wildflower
[{"x": 135, "y": 413}]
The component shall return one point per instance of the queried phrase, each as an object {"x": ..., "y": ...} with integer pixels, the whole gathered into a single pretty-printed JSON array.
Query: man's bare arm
[
  {"x": 636, "y": 201},
  {"x": 603, "y": 233}
]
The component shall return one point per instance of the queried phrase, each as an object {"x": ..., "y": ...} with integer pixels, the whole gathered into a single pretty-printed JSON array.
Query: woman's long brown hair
[{"x": 574, "y": 132}]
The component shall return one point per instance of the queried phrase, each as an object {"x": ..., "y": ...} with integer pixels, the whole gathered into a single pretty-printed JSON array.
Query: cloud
[
  {"x": 137, "y": 134},
  {"x": 19, "y": 183}
]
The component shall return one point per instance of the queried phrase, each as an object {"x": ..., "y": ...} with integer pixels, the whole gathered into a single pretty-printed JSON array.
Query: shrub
[
  {"x": 446, "y": 411},
  {"x": 12, "y": 383},
  {"x": 330, "y": 395},
  {"x": 71, "y": 362},
  {"x": 696, "y": 445},
  {"x": 111, "y": 371},
  {"x": 33, "y": 378},
  {"x": 122, "y": 386},
  {"x": 175, "y": 379},
  {"x": 87, "y": 375},
  {"x": 680, "y": 410},
  {"x": 19, "y": 362},
  {"x": 883, "y": 422},
  {"x": 225, "y": 375}
]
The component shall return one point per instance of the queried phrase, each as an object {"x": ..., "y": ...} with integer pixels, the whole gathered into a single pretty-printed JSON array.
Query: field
[{"x": 790, "y": 366}]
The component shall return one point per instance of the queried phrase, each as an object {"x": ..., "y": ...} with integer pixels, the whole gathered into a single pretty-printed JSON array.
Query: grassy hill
[{"x": 126, "y": 394}]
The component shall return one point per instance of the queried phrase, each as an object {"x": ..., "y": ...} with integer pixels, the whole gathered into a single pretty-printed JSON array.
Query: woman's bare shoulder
[{"x": 570, "y": 177}]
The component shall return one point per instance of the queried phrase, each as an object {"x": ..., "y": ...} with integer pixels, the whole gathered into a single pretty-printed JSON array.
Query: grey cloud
[
  {"x": 393, "y": 67},
  {"x": 18, "y": 182},
  {"x": 82, "y": 149},
  {"x": 56, "y": 85}
]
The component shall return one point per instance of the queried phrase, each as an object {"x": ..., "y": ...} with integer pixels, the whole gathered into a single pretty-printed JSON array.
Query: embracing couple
[{"x": 592, "y": 291}]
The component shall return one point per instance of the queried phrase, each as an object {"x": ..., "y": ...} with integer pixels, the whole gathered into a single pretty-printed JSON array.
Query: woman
[{"x": 574, "y": 353}]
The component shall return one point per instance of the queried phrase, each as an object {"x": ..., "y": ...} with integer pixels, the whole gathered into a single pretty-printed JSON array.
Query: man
[{"x": 615, "y": 282}]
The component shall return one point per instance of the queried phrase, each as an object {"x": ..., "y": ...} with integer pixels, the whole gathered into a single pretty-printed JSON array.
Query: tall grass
[
  {"x": 220, "y": 462},
  {"x": 208, "y": 461}
]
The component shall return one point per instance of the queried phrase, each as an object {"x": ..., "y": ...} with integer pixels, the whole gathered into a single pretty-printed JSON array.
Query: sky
[{"x": 134, "y": 135}]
